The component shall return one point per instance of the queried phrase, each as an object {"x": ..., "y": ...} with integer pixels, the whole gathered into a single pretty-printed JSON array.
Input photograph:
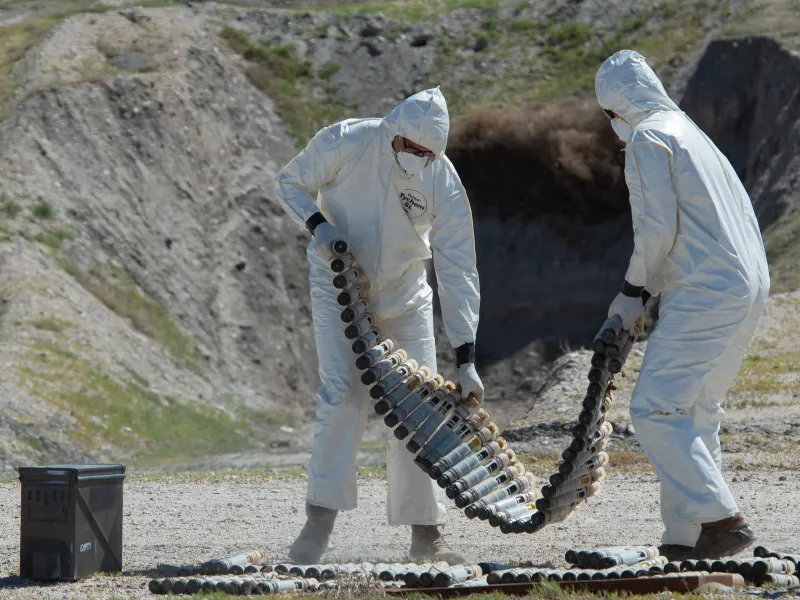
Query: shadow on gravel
[{"x": 16, "y": 582}]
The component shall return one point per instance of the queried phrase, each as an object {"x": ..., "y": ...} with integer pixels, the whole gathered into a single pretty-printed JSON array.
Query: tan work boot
[
  {"x": 313, "y": 539},
  {"x": 723, "y": 538},
  {"x": 674, "y": 552},
  {"x": 427, "y": 542}
]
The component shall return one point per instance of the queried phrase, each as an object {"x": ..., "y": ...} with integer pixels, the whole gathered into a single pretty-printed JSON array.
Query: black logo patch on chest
[{"x": 414, "y": 203}]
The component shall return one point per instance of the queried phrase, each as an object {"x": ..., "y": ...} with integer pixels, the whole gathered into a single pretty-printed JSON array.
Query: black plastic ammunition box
[{"x": 71, "y": 522}]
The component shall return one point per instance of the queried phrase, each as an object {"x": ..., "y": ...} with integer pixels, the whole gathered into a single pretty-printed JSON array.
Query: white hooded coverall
[
  {"x": 698, "y": 243},
  {"x": 392, "y": 223}
]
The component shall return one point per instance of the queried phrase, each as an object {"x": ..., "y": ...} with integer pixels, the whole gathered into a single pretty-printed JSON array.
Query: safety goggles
[{"x": 411, "y": 148}]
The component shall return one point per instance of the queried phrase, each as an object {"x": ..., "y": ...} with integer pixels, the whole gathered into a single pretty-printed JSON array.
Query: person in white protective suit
[
  {"x": 697, "y": 242},
  {"x": 387, "y": 188}
]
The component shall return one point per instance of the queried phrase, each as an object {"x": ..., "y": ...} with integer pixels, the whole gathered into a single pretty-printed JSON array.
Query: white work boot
[
  {"x": 428, "y": 543},
  {"x": 313, "y": 539}
]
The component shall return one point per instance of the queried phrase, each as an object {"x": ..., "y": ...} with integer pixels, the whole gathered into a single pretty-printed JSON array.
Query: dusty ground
[{"x": 161, "y": 526}]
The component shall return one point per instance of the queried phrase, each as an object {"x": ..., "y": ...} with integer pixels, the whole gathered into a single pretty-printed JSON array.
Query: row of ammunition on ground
[
  {"x": 455, "y": 442},
  {"x": 232, "y": 585},
  {"x": 766, "y": 566}
]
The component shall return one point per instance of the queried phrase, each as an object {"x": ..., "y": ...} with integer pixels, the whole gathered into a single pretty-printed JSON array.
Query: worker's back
[{"x": 718, "y": 245}]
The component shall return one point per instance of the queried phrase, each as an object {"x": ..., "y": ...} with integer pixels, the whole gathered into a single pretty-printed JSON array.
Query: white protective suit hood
[
  {"x": 627, "y": 85},
  {"x": 423, "y": 119}
]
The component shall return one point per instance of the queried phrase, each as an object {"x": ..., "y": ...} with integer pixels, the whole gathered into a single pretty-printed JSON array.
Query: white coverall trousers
[
  {"x": 343, "y": 405},
  {"x": 676, "y": 407}
]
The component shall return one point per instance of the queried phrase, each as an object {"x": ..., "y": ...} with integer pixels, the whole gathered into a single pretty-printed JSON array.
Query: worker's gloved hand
[
  {"x": 324, "y": 236},
  {"x": 470, "y": 382},
  {"x": 629, "y": 308}
]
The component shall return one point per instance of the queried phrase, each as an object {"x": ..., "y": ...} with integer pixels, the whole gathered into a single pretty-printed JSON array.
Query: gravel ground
[{"x": 180, "y": 521}]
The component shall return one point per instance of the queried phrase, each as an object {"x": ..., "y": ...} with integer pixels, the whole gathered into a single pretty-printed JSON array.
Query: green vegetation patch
[
  {"x": 768, "y": 374},
  {"x": 16, "y": 39},
  {"x": 415, "y": 11},
  {"x": 152, "y": 428},
  {"x": 782, "y": 242},
  {"x": 120, "y": 294},
  {"x": 51, "y": 324},
  {"x": 55, "y": 238},
  {"x": 304, "y": 104},
  {"x": 542, "y": 61}
]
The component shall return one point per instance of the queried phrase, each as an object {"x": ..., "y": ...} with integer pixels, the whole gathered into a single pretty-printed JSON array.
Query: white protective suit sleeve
[
  {"x": 452, "y": 242},
  {"x": 654, "y": 208},
  {"x": 298, "y": 182}
]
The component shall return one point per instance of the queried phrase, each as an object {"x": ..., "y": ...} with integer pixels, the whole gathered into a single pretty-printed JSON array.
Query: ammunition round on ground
[
  {"x": 773, "y": 565},
  {"x": 346, "y": 278},
  {"x": 350, "y": 294},
  {"x": 718, "y": 566},
  {"x": 210, "y": 585},
  {"x": 194, "y": 585},
  {"x": 179, "y": 587},
  {"x": 356, "y": 310},
  {"x": 761, "y": 551},
  {"x": 236, "y": 570},
  {"x": 154, "y": 586},
  {"x": 166, "y": 586},
  {"x": 448, "y": 577},
  {"x": 703, "y": 565},
  {"x": 672, "y": 567},
  {"x": 509, "y": 576},
  {"x": 627, "y": 557},
  {"x": 339, "y": 246},
  {"x": 791, "y": 557},
  {"x": 779, "y": 579},
  {"x": 426, "y": 579},
  {"x": 688, "y": 565},
  {"x": 340, "y": 263}
]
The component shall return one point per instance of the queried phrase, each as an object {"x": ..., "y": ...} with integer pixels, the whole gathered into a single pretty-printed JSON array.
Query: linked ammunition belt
[
  {"x": 455, "y": 442},
  {"x": 247, "y": 574}
]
